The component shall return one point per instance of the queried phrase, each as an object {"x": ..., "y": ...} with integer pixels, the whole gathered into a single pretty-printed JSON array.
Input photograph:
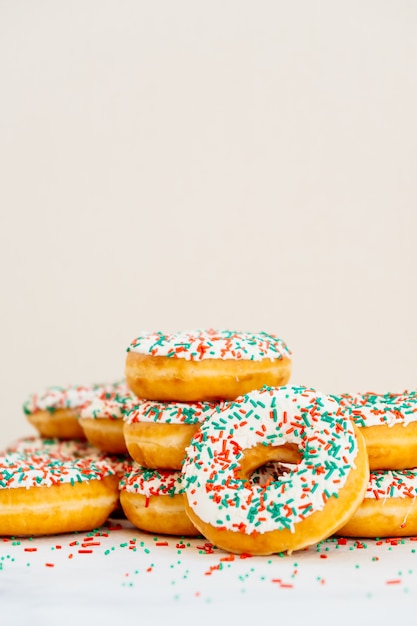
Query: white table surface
[{"x": 118, "y": 574}]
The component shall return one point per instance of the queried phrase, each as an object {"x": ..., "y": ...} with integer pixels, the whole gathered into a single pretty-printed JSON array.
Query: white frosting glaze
[
  {"x": 71, "y": 448},
  {"x": 371, "y": 409},
  {"x": 151, "y": 482},
  {"x": 69, "y": 397},
  {"x": 67, "y": 450},
  {"x": 110, "y": 405},
  {"x": 385, "y": 484},
  {"x": 41, "y": 470},
  {"x": 211, "y": 344},
  {"x": 171, "y": 412},
  {"x": 296, "y": 415}
]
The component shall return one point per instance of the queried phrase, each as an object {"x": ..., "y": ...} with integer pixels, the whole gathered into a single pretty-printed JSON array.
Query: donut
[
  {"x": 102, "y": 419},
  {"x": 388, "y": 423},
  {"x": 324, "y": 486},
  {"x": 205, "y": 365},
  {"x": 153, "y": 500},
  {"x": 55, "y": 411},
  {"x": 389, "y": 508},
  {"x": 45, "y": 494},
  {"x": 158, "y": 433}
]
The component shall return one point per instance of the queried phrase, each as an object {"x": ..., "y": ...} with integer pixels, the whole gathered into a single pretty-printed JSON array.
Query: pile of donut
[{"x": 205, "y": 436}]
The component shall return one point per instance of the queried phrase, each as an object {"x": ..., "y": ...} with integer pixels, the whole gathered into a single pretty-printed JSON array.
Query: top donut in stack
[{"x": 205, "y": 365}]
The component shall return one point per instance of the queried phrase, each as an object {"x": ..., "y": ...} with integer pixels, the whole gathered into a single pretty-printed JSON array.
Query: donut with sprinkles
[
  {"x": 153, "y": 500},
  {"x": 324, "y": 486},
  {"x": 388, "y": 423},
  {"x": 102, "y": 418},
  {"x": 55, "y": 411},
  {"x": 389, "y": 508},
  {"x": 205, "y": 364},
  {"x": 46, "y": 494},
  {"x": 158, "y": 433}
]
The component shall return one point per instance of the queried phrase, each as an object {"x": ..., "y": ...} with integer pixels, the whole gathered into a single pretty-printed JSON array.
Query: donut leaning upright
[{"x": 318, "y": 494}]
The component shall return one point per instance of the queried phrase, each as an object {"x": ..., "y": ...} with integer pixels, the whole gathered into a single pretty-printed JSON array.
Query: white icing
[
  {"x": 370, "y": 409},
  {"x": 109, "y": 406},
  {"x": 41, "y": 470},
  {"x": 70, "y": 397},
  {"x": 171, "y": 412},
  {"x": 211, "y": 344},
  {"x": 149, "y": 482},
  {"x": 386, "y": 484}
]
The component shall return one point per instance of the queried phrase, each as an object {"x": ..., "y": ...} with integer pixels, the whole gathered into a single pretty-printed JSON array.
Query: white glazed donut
[
  {"x": 205, "y": 365},
  {"x": 325, "y": 486},
  {"x": 55, "y": 411},
  {"x": 389, "y": 508},
  {"x": 388, "y": 423},
  {"x": 102, "y": 418},
  {"x": 43, "y": 494},
  {"x": 153, "y": 501},
  {"x": 157, "y": 433}
]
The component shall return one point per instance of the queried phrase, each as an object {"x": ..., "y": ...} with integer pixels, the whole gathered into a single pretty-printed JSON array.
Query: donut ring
[
  {"x": 205, "y": 365},
  {"x": 153, "y": 500},
  {"x": 42, "y": 494},
  {"x": 158, "y": 433},
  {"x": 102, "y": 419},
  {"x": 55, "y": 412},
  {"x": 388, "y": 423},
  {"x": 389, "y": 508},
  {"x": 312, "y": 501}
]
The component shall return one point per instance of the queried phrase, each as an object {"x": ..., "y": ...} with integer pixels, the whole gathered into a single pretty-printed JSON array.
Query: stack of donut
[
  {"x": 205, "y": 436},
  {"x": 67, "y": 478},
  {"x": 182, "y": 380},
  {"x": 388, "y": 423}
]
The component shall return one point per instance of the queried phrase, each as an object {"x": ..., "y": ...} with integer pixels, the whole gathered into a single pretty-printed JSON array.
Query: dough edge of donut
[{"x": 172, "y": 379}]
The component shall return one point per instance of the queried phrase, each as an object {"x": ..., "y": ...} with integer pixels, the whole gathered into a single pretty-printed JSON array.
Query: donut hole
[
  {"x": 273, "y": 471},
  {"x": 276, "y": 460}
]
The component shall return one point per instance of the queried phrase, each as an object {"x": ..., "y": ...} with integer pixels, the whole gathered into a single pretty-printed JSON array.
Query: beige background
[{"x": 174, "y": 165}]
